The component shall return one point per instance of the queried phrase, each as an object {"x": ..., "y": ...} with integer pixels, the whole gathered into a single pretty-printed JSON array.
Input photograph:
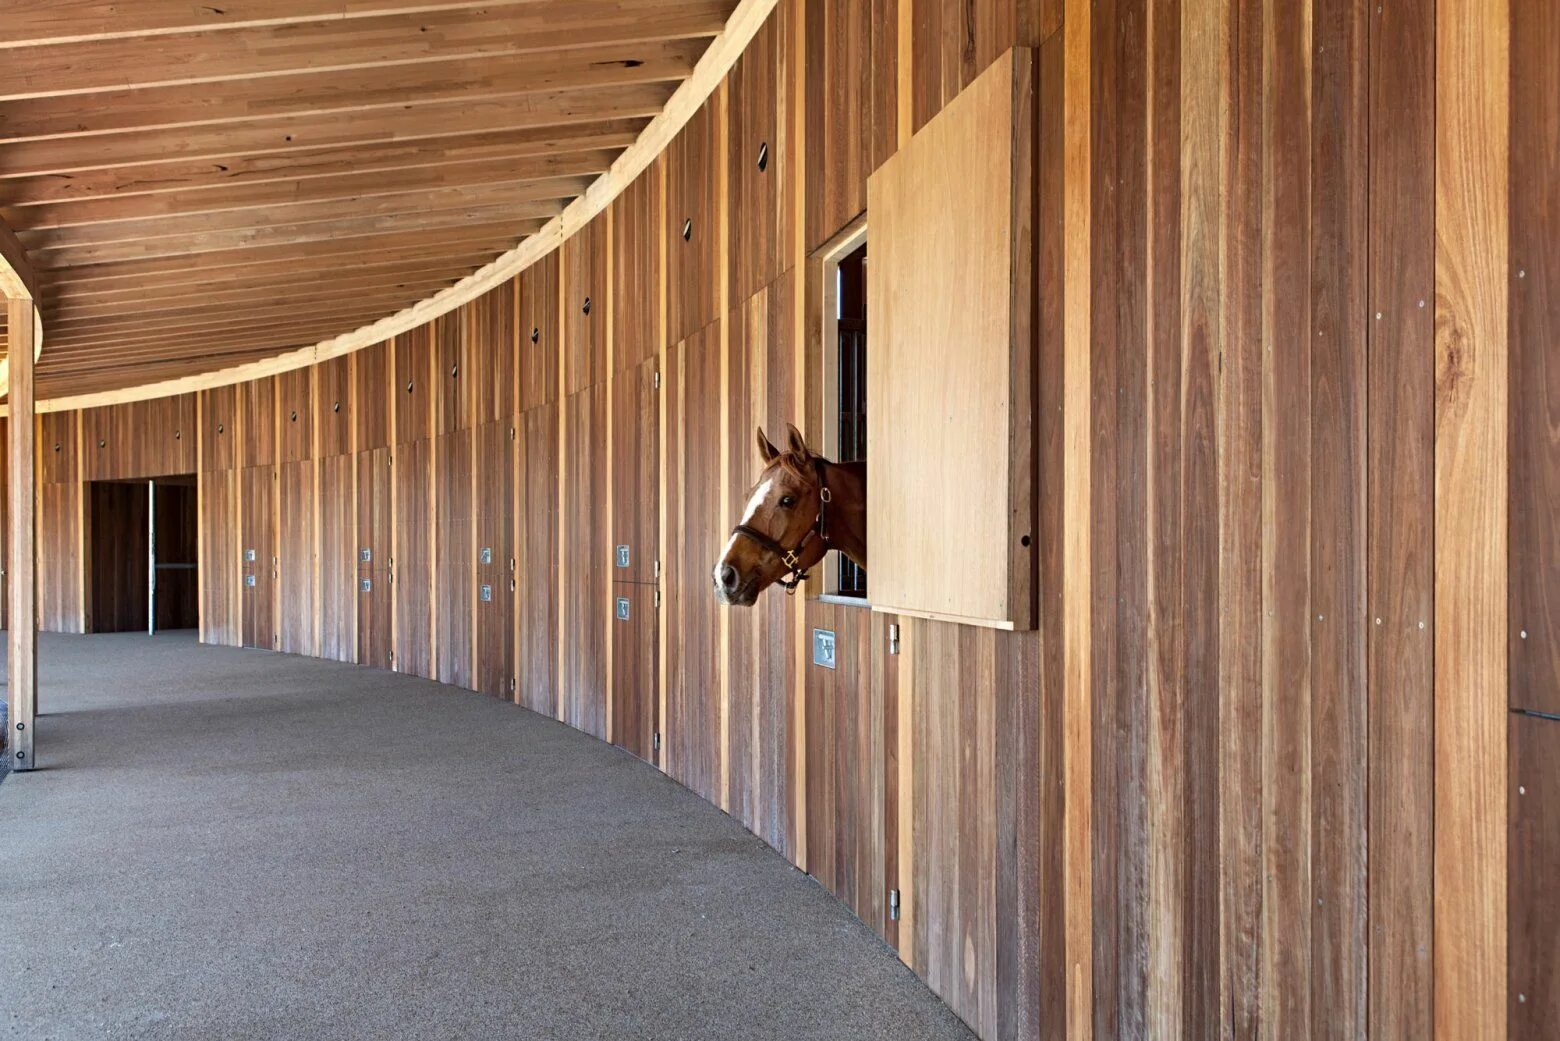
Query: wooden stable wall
[{"x": 1298, "y": 267}]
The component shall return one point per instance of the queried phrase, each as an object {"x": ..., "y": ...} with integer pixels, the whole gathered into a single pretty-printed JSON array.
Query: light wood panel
[
  {"x": 337, "y": 558},
  {"x": 412, "y": 563},
  {"x": 298, "y": 565},
  {"x": 951, "y": 514},
  {"x": 493, "y": 481}
]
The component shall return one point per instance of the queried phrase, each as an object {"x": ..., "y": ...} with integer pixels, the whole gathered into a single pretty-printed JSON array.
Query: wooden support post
[{"x": 22, "y": 678}]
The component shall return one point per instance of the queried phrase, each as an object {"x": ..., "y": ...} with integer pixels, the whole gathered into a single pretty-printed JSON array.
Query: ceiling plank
[
  {"x": 269, "y": 333},
  {"x": 305, "y": 291},
  {"x": 473, "y": 237},
  {"x": 216, "y": 58},
  {"x": 351, "y": 91},
  {"x": 280, "y": 276},
  {"x": 274, "y": 139},
  {"x": 66, "y": 330},
  {"x": 183, "y": 175},
  {"x": 31, "y": 23},
  {"x": 340, "y": 186},
  {"x": 376, "y": 204}
]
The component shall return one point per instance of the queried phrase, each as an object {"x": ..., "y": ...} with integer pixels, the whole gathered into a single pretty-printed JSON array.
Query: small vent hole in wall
[
  {"x": 56, "y": 446},
  {"x": 102, "y": 443},
  {"x": 536, "y": 334},
  {"x": 335, "y": 406},
  {"x": 688, "y": 229},
  {"x": 586, "y": 307},
  {"x": 221, "y": 428},
  {"x": 1024, "y": 542},
  {"x": 763, "y": 157},
  {"x": 294, "y": 416},
  {"x": 408, "y": 386},
  {"x": 455, "y": 371},
  {"x": 178, "y": 435}
]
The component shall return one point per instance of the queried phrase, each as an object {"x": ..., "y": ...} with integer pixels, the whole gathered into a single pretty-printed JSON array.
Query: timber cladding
[{"x": 1295, "y": 272}]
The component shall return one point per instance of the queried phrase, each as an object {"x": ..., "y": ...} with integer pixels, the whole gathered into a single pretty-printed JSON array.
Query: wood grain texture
[
  {"x": 221, "y": 577},
  {"x": 1533, "y": 996},
  {"x": 412, "y": 559},
  {"x": 636, "y": 270},
  {"x": 22, "y": 609},
  {"x": 585, "y": 561},
  {"x": 337, "y": 558},
  {"x": 257, "y": 549},
  {"x": 298, "y": 565},
  {"x": 635, "y": 448},
  {"x": 693, "y": 169},
  {"x": 493, "y": 476},
  {"x": 375, "y": 603},
  {"x": 536, "y": 609},
  {"x": 1535, "y": 373},
  {"x": 583, "y": 272},
  {"x": 453, "y": 591},
  {"x": 1471, "y": 506},
  {"x": 635, "y": 642},
  {"x": 334, "y": 418},
  {"x": 538, "y": 328}
]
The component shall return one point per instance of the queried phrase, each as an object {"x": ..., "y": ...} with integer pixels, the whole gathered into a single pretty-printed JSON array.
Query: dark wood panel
[
  {"x": 494, "y": 525},
  {"x": 257, "y": 422},
  {"x": 694, "y": 166},
  {"x": 492, "y": 353},
  {"x": 333, "y": 413},
  {"x": 1533, "y": 1002},
  {"x": 116, "y": 546},
  {"x": 220, "y": 551},
  {"x": 219, "y": 428},
  {"x": 638, "y": 241},
  {"x": 951, "y": 44},
  {"x": 1535, "y": 370},
  {"x": 176, "y": 599},
  {"x": 761, "y": 156},
  {"x": 257, "y": 584},
  {"x": 415, "y": 389},
  {"x": 295, "y": 414},
  {"x": 373, "y": 395},
  {"x": 536, "y": 603},
  {"x": 585, "y": 562},
  {"x": 297, "y": 560},
  {"x": 691, "y": 727},
  {"x": 375, "y": 489},
  {"x": 634, "y": 656},
  {"x": 337, "y": 579},
  {"x": 412, "y": 562},
  {"x": 583, "y": 269},
  {"x": 851, "y": 99},
  {"x": 539, "y": 333},
  {"x": 635, "y": 473},
  {"x": 453, "y": 560}
]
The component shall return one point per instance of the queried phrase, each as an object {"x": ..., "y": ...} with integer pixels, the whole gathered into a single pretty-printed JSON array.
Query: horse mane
[{"x": 798, "y": 464}]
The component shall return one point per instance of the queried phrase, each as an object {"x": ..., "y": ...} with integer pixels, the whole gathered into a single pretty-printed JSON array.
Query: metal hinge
[
  {"x": 655, "y": 741},
  {"x": 655, "y": 570},
  {"x": 657, "y": 598},
  {"x": 893, "y": 638},
  {"x": 658, "y": 379},
  {"x": 893, "y": 905}
]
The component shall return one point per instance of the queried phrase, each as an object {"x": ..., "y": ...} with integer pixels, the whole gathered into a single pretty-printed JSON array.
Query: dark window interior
[{"x": 852, "y": 318}]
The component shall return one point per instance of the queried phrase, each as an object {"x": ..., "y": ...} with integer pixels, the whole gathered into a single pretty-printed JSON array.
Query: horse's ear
[
  {"x": 766, "y": 451},
  {"x": 798, "y": 442}
]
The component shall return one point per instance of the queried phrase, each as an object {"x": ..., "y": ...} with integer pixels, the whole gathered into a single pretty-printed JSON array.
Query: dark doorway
[{"x": 132, "y": 588}]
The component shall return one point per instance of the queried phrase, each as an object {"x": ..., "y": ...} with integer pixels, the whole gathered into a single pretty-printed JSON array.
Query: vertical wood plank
[
  {"x": 21, "y": 535},
  {"x": 1471, "y": 395}
]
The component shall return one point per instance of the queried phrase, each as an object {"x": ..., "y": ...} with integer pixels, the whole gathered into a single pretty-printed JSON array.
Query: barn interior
[{"x": 381, "y": 380}]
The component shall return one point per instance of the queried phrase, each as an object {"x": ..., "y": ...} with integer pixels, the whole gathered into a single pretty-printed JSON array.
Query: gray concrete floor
[{"x": 227, "y": 844}]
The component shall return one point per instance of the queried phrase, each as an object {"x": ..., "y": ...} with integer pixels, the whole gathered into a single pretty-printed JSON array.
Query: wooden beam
[
  {"x": 17, "y": 278},
  {"x": 21, "y": 583},
  {"x": 217, "y": 58},
  {"x": 707, "y": 74},
  {"x": 237, "y": 285},
  {"x": 186, "y": 302}
]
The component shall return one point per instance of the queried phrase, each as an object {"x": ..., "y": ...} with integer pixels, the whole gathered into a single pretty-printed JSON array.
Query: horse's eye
[{"x": 787, "y": 501}]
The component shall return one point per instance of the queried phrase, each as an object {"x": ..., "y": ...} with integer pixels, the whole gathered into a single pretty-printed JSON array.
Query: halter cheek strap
[{"x": 796, "y": 574}]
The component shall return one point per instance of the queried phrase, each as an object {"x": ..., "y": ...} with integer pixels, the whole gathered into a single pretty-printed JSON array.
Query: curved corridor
[{"x": 232, "y": 844}]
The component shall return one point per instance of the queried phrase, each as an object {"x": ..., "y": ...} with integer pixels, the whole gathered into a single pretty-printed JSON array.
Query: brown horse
[{"x": 802, "y": 507}]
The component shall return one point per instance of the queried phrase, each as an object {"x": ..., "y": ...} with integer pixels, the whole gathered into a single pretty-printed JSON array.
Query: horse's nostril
[{"x": 728, "y": 577}]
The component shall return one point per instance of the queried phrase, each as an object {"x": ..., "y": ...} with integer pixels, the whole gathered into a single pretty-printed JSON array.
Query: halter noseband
[{"x": 792, "y": 558}]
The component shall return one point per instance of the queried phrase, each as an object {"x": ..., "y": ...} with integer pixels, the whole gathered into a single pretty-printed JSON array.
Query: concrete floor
[{"x": 228, "y": 844}]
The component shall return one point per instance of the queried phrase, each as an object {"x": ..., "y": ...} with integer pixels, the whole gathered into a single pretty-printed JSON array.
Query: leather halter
[{"x": 792, "y": 558}]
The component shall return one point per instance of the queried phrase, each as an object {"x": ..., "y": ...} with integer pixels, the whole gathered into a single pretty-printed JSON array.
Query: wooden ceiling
[{"x": 204, "y": 184}]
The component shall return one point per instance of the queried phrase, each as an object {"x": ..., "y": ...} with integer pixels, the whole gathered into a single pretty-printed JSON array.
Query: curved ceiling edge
[{"x": 711, "y": 69}]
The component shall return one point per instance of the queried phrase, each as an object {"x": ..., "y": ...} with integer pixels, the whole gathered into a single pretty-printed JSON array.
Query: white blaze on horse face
[{"x": 760, "y": 495}]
